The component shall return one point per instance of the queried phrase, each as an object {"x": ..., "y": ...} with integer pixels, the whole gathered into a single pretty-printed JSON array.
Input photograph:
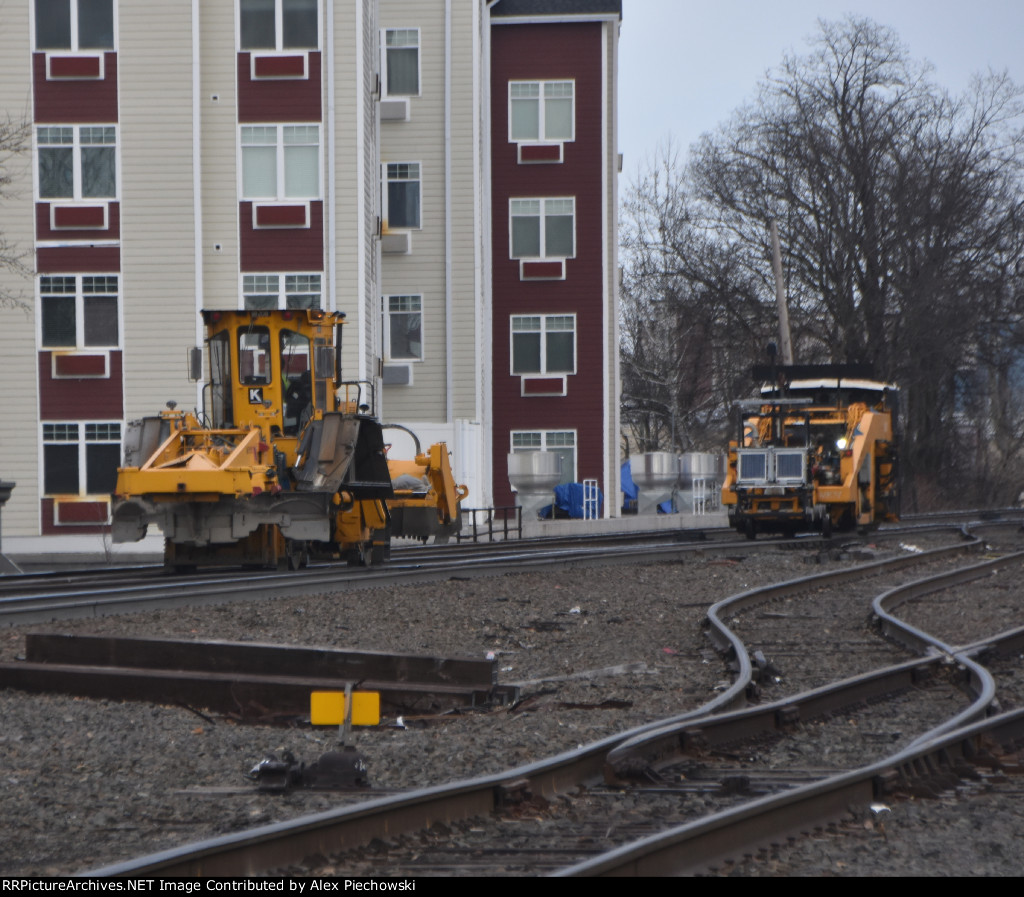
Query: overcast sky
[{"x": 684, "y": 66}]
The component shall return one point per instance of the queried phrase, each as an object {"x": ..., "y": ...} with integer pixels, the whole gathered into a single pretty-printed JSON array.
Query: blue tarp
[
  {"x": 631, "y": 492},
  {"x": 629, "y": 489},
  {"x": 569, "y": 498}
]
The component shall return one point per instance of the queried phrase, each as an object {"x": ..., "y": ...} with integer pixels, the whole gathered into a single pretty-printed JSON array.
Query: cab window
[
  {"x": 296, "y": 381},
  {"x": 254, "y": 356}
]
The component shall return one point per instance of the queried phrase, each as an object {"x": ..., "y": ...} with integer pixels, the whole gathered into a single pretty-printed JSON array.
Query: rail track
[
  {"x": 48, "y": 596},
  {"x": 458, "y": 828}
]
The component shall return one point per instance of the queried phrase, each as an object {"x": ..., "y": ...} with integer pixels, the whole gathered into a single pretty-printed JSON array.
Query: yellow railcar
[
  {"x": 816, "y": 452},
  {"x": 284, "y": 461}
]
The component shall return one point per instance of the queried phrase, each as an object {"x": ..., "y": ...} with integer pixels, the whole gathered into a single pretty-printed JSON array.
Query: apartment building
[
  {"x": 367, "y": 156},
  {"x": 554, "y": 235}
]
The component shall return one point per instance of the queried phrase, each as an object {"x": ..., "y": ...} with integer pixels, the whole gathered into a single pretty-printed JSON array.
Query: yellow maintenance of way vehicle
[
  {"x": 284, "y": 462},
  {"x": 816, "y": 452}
]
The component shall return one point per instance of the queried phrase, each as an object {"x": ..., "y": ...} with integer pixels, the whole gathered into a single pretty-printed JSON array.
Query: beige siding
[
  {"x": 466, "y": 187},
  {"x": 217, "y": 102},
  {"x": 158, "y": 255},
  {"x": 354, "y": 173},
  {"x": 19, "y": 402},
  {"x": 423, "y": 271}
]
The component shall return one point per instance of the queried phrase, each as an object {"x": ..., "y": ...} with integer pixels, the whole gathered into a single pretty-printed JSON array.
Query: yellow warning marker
[{"x": 327, "y": 708}]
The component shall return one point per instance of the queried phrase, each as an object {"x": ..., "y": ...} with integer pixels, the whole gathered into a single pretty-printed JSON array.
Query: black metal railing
[{"x": 491, "y": 524}]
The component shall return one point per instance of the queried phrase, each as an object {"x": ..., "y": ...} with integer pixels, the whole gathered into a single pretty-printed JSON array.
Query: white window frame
[
  {"x": 280, "y": 148},
  {"x": 74, "y": 48},
  {"x": 276, "y": 284},
  {"x": 541, "y": 98},
  {"x": 279, "y": 46},
  {"x": 76, "y": 145},
  {"x": 548, "y": 441},
  {"x": 385, "y": 90},
  {"x": 386, "y": 193},
  {"x": 517, "y": 209},
  {"x": 79, "y": 297},
  {"x": 388, "y": 312},
  {"x": 81, "y": 440},
  {"x": 545, "y": 321}
]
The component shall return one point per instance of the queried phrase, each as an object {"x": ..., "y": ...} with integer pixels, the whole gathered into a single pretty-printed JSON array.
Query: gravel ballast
[{"x": 87, "y": 783}]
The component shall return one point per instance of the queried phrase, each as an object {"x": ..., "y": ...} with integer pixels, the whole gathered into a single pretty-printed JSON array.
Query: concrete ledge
[{"x": 631, "y": 524}]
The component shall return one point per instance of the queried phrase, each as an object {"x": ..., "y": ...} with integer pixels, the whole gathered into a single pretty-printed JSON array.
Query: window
[
  {"x": 79, "y": 311},
  {"x": 403, "y": 191},
  {"x": 281, "y": 162},
  {"x": 542, "y": 228},
  {"x": 74, "y": 24},
  {"x": 540, "y": 110},
  {"x": 281, "y": 291},
  {"x": 77, "y": 162},
  {"x": 543, "y": 344},
  {"x": 401, "y": 62},
  {"x": 278, "y": 24},
  {"x": 404, "y": 330},
  {"x": 562, "y": 442},
  {"x": 253, "y": 356},
  {"x": 296, "y": 382},
  {"x": 80, "y": 458}
]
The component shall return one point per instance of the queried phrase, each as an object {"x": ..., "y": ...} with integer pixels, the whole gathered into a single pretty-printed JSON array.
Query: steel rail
[
  {"x": 250, "y": 679},
  {"x": 697, "y": 846},
  {"x": 983, "y": 685},
  {"x": 277, "y": 846},
  {"x": 660, "y": 746},
  {"x": 729, "y": 644},
  {"x": 89, "y": 602}
]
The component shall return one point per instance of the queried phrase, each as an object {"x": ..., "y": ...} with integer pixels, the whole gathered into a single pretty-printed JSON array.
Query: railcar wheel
[{"x": 750, "y": 528}]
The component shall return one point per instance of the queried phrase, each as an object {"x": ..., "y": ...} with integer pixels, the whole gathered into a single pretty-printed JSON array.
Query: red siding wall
[
  {"x": 76, "y": 97},
  {"x": 78, "y": 260},
  {"x": 91, "y": 398},
  {"x": 68, "y": 102},
  {"x": 282, "y": 248},
  {"x": 45, "y": 232},
  {"x": 77, "y": 518},
  {"x": 278, "y": 99},
  {"x": 557, "y": 51}
]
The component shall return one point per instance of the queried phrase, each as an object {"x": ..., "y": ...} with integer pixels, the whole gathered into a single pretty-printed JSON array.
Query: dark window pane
[
  {"x": 560, "y": 353},
  {"x": 100, "y": 321},
  {"x": 53, "y": 24},
  {"x": 220, "y": 381},
  {"x": 98, "y": 179},
  {"x": 525, "y": 353},
  {"x": 406, "y": 339},
  {"x": 254, "y": 355},
  {"x": 558, "y": 236},
  {"x": 96, "y": 24},
  {"x": 59, "y": 321},
  {"x": 257, "y": 21},
  {"x": 403, "y": 71},
  {"x": 101, "y": 462},
  {"x": 525, "y": 237},
  {"x": 60, "y": 469},
  {"x": 404, "y": 204},
  {"x": 56, "y": 173},
  {"x": 300, "y": 24},
  {"x": 261, "y": 301}
]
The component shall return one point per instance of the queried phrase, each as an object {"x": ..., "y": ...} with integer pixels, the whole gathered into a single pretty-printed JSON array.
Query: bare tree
[
  {"x": 14, "y": 143},
  {"x": 691, "y": 316},
  {"x": 902, "y": 220}
]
